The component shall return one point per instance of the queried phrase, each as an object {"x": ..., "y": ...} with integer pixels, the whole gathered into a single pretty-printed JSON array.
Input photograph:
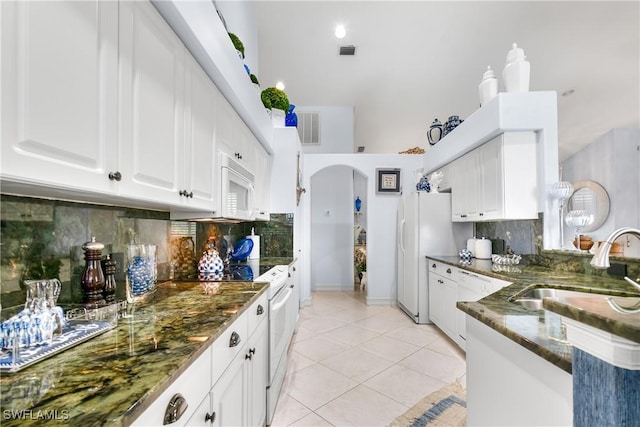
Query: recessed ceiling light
[
  {"x": 340, "y": 31},
  {"x": 280, "y": 86},
  {"x": 568, "y": 92}
]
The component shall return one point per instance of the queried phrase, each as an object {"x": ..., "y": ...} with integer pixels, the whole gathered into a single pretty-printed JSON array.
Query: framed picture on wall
[{"x": 388, "y": 181}]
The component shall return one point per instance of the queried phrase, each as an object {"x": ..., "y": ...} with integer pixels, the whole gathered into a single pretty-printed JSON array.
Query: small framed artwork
[{"x": 388, "y": 181}]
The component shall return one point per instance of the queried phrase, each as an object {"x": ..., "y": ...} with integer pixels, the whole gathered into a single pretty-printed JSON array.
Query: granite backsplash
[{"x": 43, "y": 239}]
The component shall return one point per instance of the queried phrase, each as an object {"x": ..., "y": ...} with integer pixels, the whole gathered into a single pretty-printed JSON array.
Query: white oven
[
  {"x": 237, "y": 190},
  {"x": 283, "y": 313}
]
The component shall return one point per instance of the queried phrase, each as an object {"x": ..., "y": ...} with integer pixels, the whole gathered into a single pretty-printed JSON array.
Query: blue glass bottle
[
  {"x": 358, "y": 204},
  {"x": 291, "y": 119}
]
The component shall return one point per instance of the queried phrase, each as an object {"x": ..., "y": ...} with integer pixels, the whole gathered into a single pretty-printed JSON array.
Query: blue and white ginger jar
[{"x": 423, "y": 184}]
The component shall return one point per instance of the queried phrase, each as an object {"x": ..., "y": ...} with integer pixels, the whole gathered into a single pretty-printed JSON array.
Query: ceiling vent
[
  {"x": 349, "y": 50},
  {"x": 309, "y": 127}
]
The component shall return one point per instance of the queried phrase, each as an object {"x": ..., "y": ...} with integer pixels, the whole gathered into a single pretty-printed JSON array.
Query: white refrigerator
[{"x": 424, "y": 228}]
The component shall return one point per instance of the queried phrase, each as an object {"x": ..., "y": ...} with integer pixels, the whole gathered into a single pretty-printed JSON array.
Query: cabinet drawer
[
  {"x": 445, "y": 270},
  {"x": 227, "y": 345},
  {"x": 257, "y": 313},
  {"x": 194, "y": 385}
]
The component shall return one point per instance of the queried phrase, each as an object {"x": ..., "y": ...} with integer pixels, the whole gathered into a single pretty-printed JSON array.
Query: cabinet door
[
  {"x": 202, "y": 415},
  {"x": 152, "y": 114},
  {"x": 492, "y": 200},
  {"x": 228, "y": 394},
  {"x": 436, "y": 299},
  {"x": 263, "y": 182},
  {"x": 227, "y": 139},
  {"x": 201, "y": 100},
  {"x": 59, "y": 93},
  {"x": 257, "y": 377},
  {"x": 449, "y": 315}
]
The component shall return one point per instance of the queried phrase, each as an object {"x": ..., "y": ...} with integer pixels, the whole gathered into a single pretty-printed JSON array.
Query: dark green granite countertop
[
  {"x": 533, "y": 328},
  {"x": 112, "y": 378}
]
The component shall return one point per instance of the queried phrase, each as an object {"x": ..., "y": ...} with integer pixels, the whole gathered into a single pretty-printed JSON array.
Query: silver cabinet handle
[
  {"x": 234, "y": 340},
  {"x": 115, "y": 176},
  {"x": 176, "y": 407},
  {"x": 260, "y": 310},
  {"x": 211, "y": 418}
]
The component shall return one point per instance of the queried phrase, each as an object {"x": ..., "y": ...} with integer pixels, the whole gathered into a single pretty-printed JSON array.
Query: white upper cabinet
[
  {"x": 235, "y": 139},
  {"x": 60, "y": 93},
  {"x": 202, "y": 105},
  {"x": 497, "y": 181},
  {"x": 151, "y": 107},
  {"x": 263, "y": 183}
]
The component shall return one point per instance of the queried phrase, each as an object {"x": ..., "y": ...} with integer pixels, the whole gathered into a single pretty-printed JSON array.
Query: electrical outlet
[
  {"x": 118, "y": 257},
  {"x": 619, "y": 270}
]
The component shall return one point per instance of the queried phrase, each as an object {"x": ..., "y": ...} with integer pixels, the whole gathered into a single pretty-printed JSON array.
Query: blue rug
[
  {"x": 437, "y": 410},
  {"x": 445, "y": 407}
]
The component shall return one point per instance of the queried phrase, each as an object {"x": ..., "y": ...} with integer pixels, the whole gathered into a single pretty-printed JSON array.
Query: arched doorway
[{"x": 336, "y": 228}]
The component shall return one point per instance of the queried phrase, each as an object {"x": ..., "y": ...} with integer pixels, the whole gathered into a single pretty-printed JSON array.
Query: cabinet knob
[
  {"x": 433, "y": 266},
  {"x": 176, "y": 407},
  {"x": 248, "y": 356},
  {"x": 463, "y": 216},
  {"x": 481, "y": 214},
  {"x": 449, "y": 270},
  {"x": 210, "y": 417},
  {"x": 115, "y": 176},
  {"x": 185, "y": 193},
  {"x": 234, "y": 340},
  {"x": 260, "y": 309}
]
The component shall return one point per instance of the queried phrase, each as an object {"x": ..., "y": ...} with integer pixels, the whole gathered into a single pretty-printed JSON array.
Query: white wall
[
  {"x": 332, "y": 229},
  {"x": 336, "y": 129},
  {"x": 613, "y": 161},
  {"x": 381, "y": 212},
  {"x": 240, "y": 19}
]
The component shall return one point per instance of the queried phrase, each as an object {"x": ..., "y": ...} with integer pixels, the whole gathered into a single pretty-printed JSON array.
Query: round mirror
[{"x": 593, "y": 198}]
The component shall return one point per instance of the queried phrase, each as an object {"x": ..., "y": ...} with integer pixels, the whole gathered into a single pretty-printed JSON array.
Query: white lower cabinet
[
  {"x": 226, "y": 385},
  {"x": 447, "y": 286},
  {"x": 442, "y": 297}
]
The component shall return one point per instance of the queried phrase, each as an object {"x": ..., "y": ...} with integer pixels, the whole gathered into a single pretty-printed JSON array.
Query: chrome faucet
[{"x": 601, "y": 261}]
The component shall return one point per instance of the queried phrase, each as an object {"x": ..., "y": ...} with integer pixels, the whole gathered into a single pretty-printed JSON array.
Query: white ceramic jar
[
  {"x": 471, "y": 246},
  {"x": 483, "y": 248},
  {"x": 488, "y": 87},
  {"x": 516, "y": 71}
]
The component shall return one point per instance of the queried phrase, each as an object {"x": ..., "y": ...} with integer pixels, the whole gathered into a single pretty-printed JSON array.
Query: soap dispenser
[
  {"x": 516, "y": 71},
  {"x": 488, "y": 87}
]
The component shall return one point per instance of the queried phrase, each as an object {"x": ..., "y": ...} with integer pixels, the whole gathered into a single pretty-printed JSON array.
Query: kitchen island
[
  {"x": 511, "y": 347},
  {"x": 113, "y": 378}
]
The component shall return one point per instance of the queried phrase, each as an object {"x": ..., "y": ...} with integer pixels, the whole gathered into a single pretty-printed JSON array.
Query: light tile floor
[{"x": 356, "y": 365}]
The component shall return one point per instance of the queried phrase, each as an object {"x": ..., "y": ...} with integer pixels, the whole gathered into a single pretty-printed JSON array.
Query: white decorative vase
[{"x": 277, "y": 118}]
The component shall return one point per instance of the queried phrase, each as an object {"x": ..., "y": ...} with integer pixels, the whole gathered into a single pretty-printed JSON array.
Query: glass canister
[{"x": 142, "y": 271}]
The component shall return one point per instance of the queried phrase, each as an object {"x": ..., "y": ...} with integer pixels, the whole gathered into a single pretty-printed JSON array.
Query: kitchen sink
[{"x": 532, "y": 298}]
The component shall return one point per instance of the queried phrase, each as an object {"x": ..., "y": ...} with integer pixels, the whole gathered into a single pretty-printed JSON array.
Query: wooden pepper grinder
[
  {"x": 109, "y": 291},
  {"x": 92, "y": 278}
]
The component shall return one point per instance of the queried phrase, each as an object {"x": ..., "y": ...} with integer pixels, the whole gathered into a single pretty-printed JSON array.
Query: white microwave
[
  {"x": 237, "y": 190},
  {"x": 237, "y": 196}
]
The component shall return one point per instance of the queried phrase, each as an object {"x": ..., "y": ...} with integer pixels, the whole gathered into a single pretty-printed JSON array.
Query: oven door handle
[{"x": 279, "y": 305}]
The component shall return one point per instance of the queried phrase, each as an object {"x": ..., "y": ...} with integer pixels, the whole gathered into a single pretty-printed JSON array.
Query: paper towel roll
[
  {"x": 255, "y": 251},
  {"x": 483, "y": 248}
]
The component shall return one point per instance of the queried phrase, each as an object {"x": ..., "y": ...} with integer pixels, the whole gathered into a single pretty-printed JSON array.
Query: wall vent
[
  {"x": 309, "y": 127},
  {"x": 349, "y": 50}
]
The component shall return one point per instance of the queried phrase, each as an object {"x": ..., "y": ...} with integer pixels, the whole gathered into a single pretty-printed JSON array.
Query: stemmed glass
[
  {"x": 578, "y": 219},
  {"x": 561, "y": 191}
]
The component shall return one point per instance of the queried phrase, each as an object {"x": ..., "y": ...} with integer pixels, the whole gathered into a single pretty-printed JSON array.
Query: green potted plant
[
  {"x": 237, "y": 43},
  {"x": 275, "y": 100}
]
